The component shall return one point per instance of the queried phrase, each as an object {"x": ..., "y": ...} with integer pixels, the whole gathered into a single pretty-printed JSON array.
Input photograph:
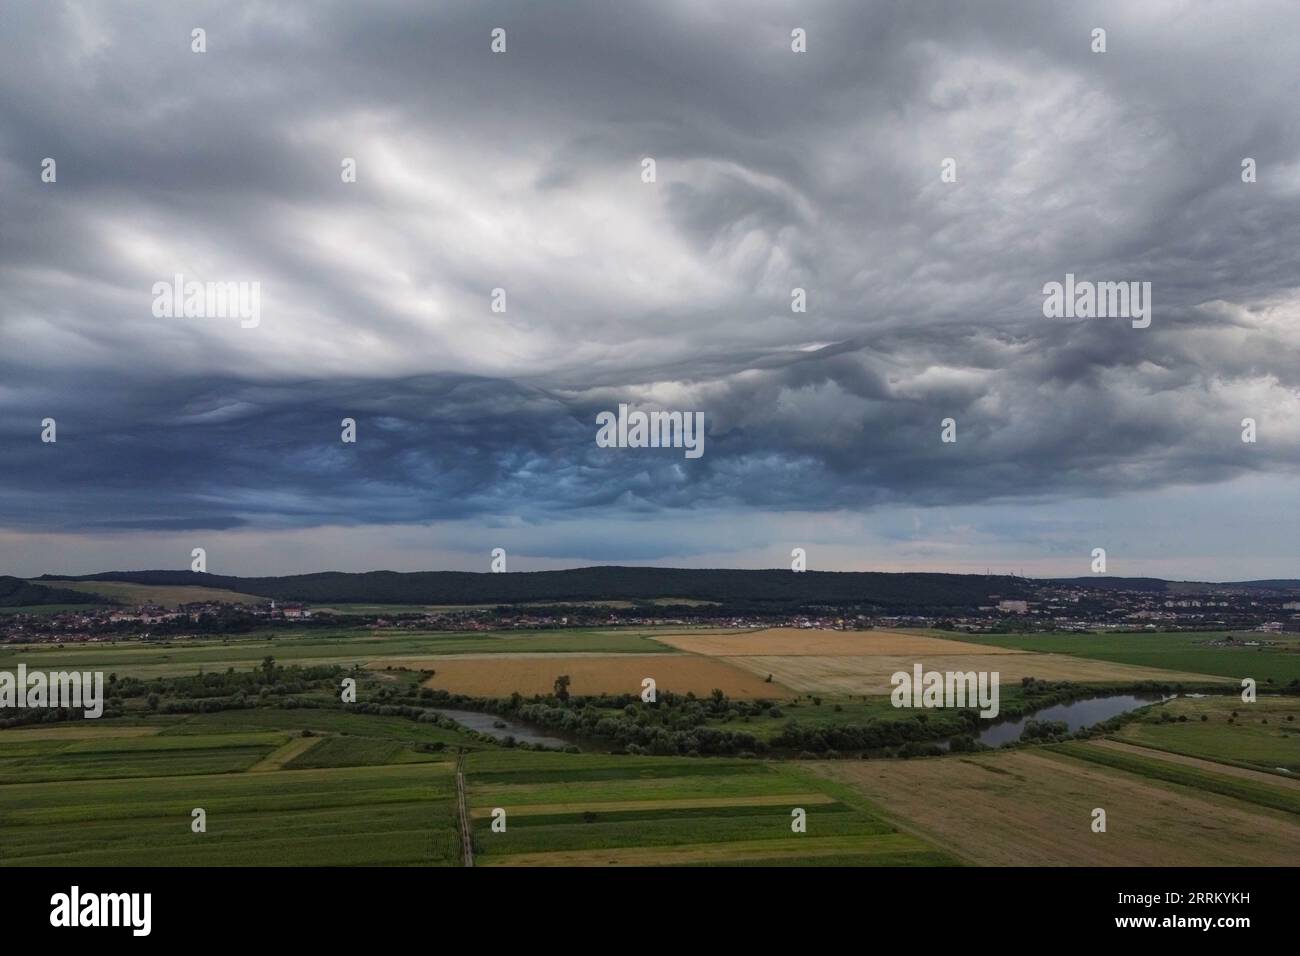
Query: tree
[{"x": 562, "y": 687}]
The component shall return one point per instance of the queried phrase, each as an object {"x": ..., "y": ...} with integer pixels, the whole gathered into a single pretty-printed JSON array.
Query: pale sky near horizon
[{"x": 522, "y": 170}]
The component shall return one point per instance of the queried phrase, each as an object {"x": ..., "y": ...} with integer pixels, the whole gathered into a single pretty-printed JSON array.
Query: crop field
[
  {"x": 810, "y": 642},
  {"x": 871, "y": 675},
  {"x": 1264, "y": 735},
  {"x": 225, "y": 742},
  {"x": 315, "y": 646},
  {"x": 363, "y": 790},
  {"x": 382, "y": 815},
  {"x": 1034, "y": 808},
  {"x": 499, "y": 676},
  {"x": 319, "y": 722},
  {"x": 1204, "y": 776},
  {"x": 360, "y": 791},
  {"x": 1196, "y": 781},
  {"x": 848, "y": 662},
  {"x": 1235, "y": 769},
  {"x": 71, "y": 759},
  {"x": 1179, "y": 651},
  {"x": 564, "y": 810}
]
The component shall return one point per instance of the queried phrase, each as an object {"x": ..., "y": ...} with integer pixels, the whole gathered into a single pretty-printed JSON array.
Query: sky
[{"x": 774, "y": 170}]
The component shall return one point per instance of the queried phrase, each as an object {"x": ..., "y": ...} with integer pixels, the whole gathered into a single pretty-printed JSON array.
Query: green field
[
  {"x": 385, "y": 815},
  {"x": 1170, "y": 651},
  {"x": 565, "y": 810},
  {"x": 40, "y": 760},
  {"x": 319, "y": 721},
  {"x": 314, "y": 646},
  {"x": 362, "y": 790},
  {"x": 299, "y": 780},
  {"x": 1264, "y": 735},
  {"x": 1277, "y": 797}
]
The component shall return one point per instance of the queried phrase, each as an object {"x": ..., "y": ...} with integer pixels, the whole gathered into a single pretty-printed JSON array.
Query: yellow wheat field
[
  {"x": 800, "y": 642},
  {"x": 861, "y": 662},
  {"x": 870, "y": 675}
]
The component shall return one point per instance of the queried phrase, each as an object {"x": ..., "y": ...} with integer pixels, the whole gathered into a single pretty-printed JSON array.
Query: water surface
[
  {"x": 1077, "y": 714},
  {"x": 486, "y": 724}
]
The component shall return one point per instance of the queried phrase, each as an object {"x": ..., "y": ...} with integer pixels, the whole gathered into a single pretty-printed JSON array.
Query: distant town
[{"x": 1050, "y": 607}]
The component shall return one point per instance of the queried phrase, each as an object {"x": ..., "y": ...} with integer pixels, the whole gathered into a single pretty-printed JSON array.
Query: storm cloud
[{"x": 522, "y": 171}]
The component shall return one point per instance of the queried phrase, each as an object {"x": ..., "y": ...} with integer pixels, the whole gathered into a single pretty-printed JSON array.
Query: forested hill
[
  {"x": 731, "y": 587},
  {"x": 15, "y": 592}
]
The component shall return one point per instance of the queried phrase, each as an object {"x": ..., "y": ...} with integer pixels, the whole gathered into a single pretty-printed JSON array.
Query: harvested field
[
  {"x": 499, "y": 676},
  {"x": 1030, "y": 809},
  {"x": 870, "y": 675},
  {"x": 804, "y": 642},
  {"x": 861, "y": 662}
]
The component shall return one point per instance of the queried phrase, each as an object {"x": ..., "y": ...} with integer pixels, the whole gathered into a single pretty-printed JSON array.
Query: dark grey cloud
[{"x": 776, "y": 170}]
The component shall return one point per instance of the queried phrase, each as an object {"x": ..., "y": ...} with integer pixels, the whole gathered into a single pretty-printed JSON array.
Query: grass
[
  {"x": 593, "y": 675},
  {"x": 843, "y": 711},
  {"x": 363, "y": 790},
  {"x": 1260, "y": 794},
  {"x": 320, "y": 722},
  {"x": 721, "y": 826},
  {"x": 1033, "y": 807},
  {"x": 99, "y": 758},
  {"x": 311, "y": 646},
  {"x": 121, "y": 792},
  {"x": 392, "y": 816},
  {"x": 1165, "y": 650},
  {"x": 631, "y": 810},
  {"x": 364, "y": 794},
  {"x": 1246, "y": 742},
  {"x": 357, "y": 752}
]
